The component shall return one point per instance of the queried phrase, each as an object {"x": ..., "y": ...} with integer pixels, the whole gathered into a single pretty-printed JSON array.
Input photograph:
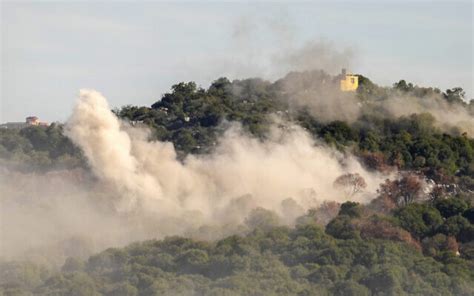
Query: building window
[{"x": 352, "y": 80}]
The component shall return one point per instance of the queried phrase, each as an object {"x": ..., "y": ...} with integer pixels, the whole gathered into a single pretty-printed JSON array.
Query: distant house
[{"x": 30, "y": 120}]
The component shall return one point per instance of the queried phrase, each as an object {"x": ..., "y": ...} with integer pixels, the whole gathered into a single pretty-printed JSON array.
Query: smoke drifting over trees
[
  {"x": 146, "y": 171},
  {"x": 139, "y": 182}
]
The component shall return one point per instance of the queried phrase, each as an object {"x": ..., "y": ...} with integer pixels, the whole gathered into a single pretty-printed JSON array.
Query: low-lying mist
[{"x": 137, "y": 189}]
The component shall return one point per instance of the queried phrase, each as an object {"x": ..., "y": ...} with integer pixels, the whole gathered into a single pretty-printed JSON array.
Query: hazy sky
[{"x": 134, "y": 52}]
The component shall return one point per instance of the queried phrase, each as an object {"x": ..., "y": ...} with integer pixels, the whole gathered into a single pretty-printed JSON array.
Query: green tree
[{"x": 421, "y": 220}]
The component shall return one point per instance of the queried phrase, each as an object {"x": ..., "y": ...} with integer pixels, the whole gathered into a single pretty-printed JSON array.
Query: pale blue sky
[{"x": 134, "y": 52}]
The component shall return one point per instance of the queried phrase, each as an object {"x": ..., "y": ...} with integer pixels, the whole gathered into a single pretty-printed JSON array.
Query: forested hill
[{"x": 407, "y": 241}]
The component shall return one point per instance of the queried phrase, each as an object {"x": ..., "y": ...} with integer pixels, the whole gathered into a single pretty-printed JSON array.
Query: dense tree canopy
[{"x": 359, "y": 253}]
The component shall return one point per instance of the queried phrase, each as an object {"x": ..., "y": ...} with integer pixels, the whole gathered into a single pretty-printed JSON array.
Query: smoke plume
[{"x": 148, "y": 173}]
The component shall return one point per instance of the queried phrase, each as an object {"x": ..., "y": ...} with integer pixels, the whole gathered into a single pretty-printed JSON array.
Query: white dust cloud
[{"x": 148, "y": 173}]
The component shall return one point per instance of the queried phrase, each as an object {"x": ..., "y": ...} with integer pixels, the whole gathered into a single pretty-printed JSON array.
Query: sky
[{"x": 133, "y": 52}]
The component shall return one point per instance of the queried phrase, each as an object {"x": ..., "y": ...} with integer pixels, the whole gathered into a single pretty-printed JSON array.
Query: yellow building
[{"x": 349, "y": 82}]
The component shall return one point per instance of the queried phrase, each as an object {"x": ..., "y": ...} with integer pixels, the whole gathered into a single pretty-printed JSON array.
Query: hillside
[{"x": 396, "y": 218}]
